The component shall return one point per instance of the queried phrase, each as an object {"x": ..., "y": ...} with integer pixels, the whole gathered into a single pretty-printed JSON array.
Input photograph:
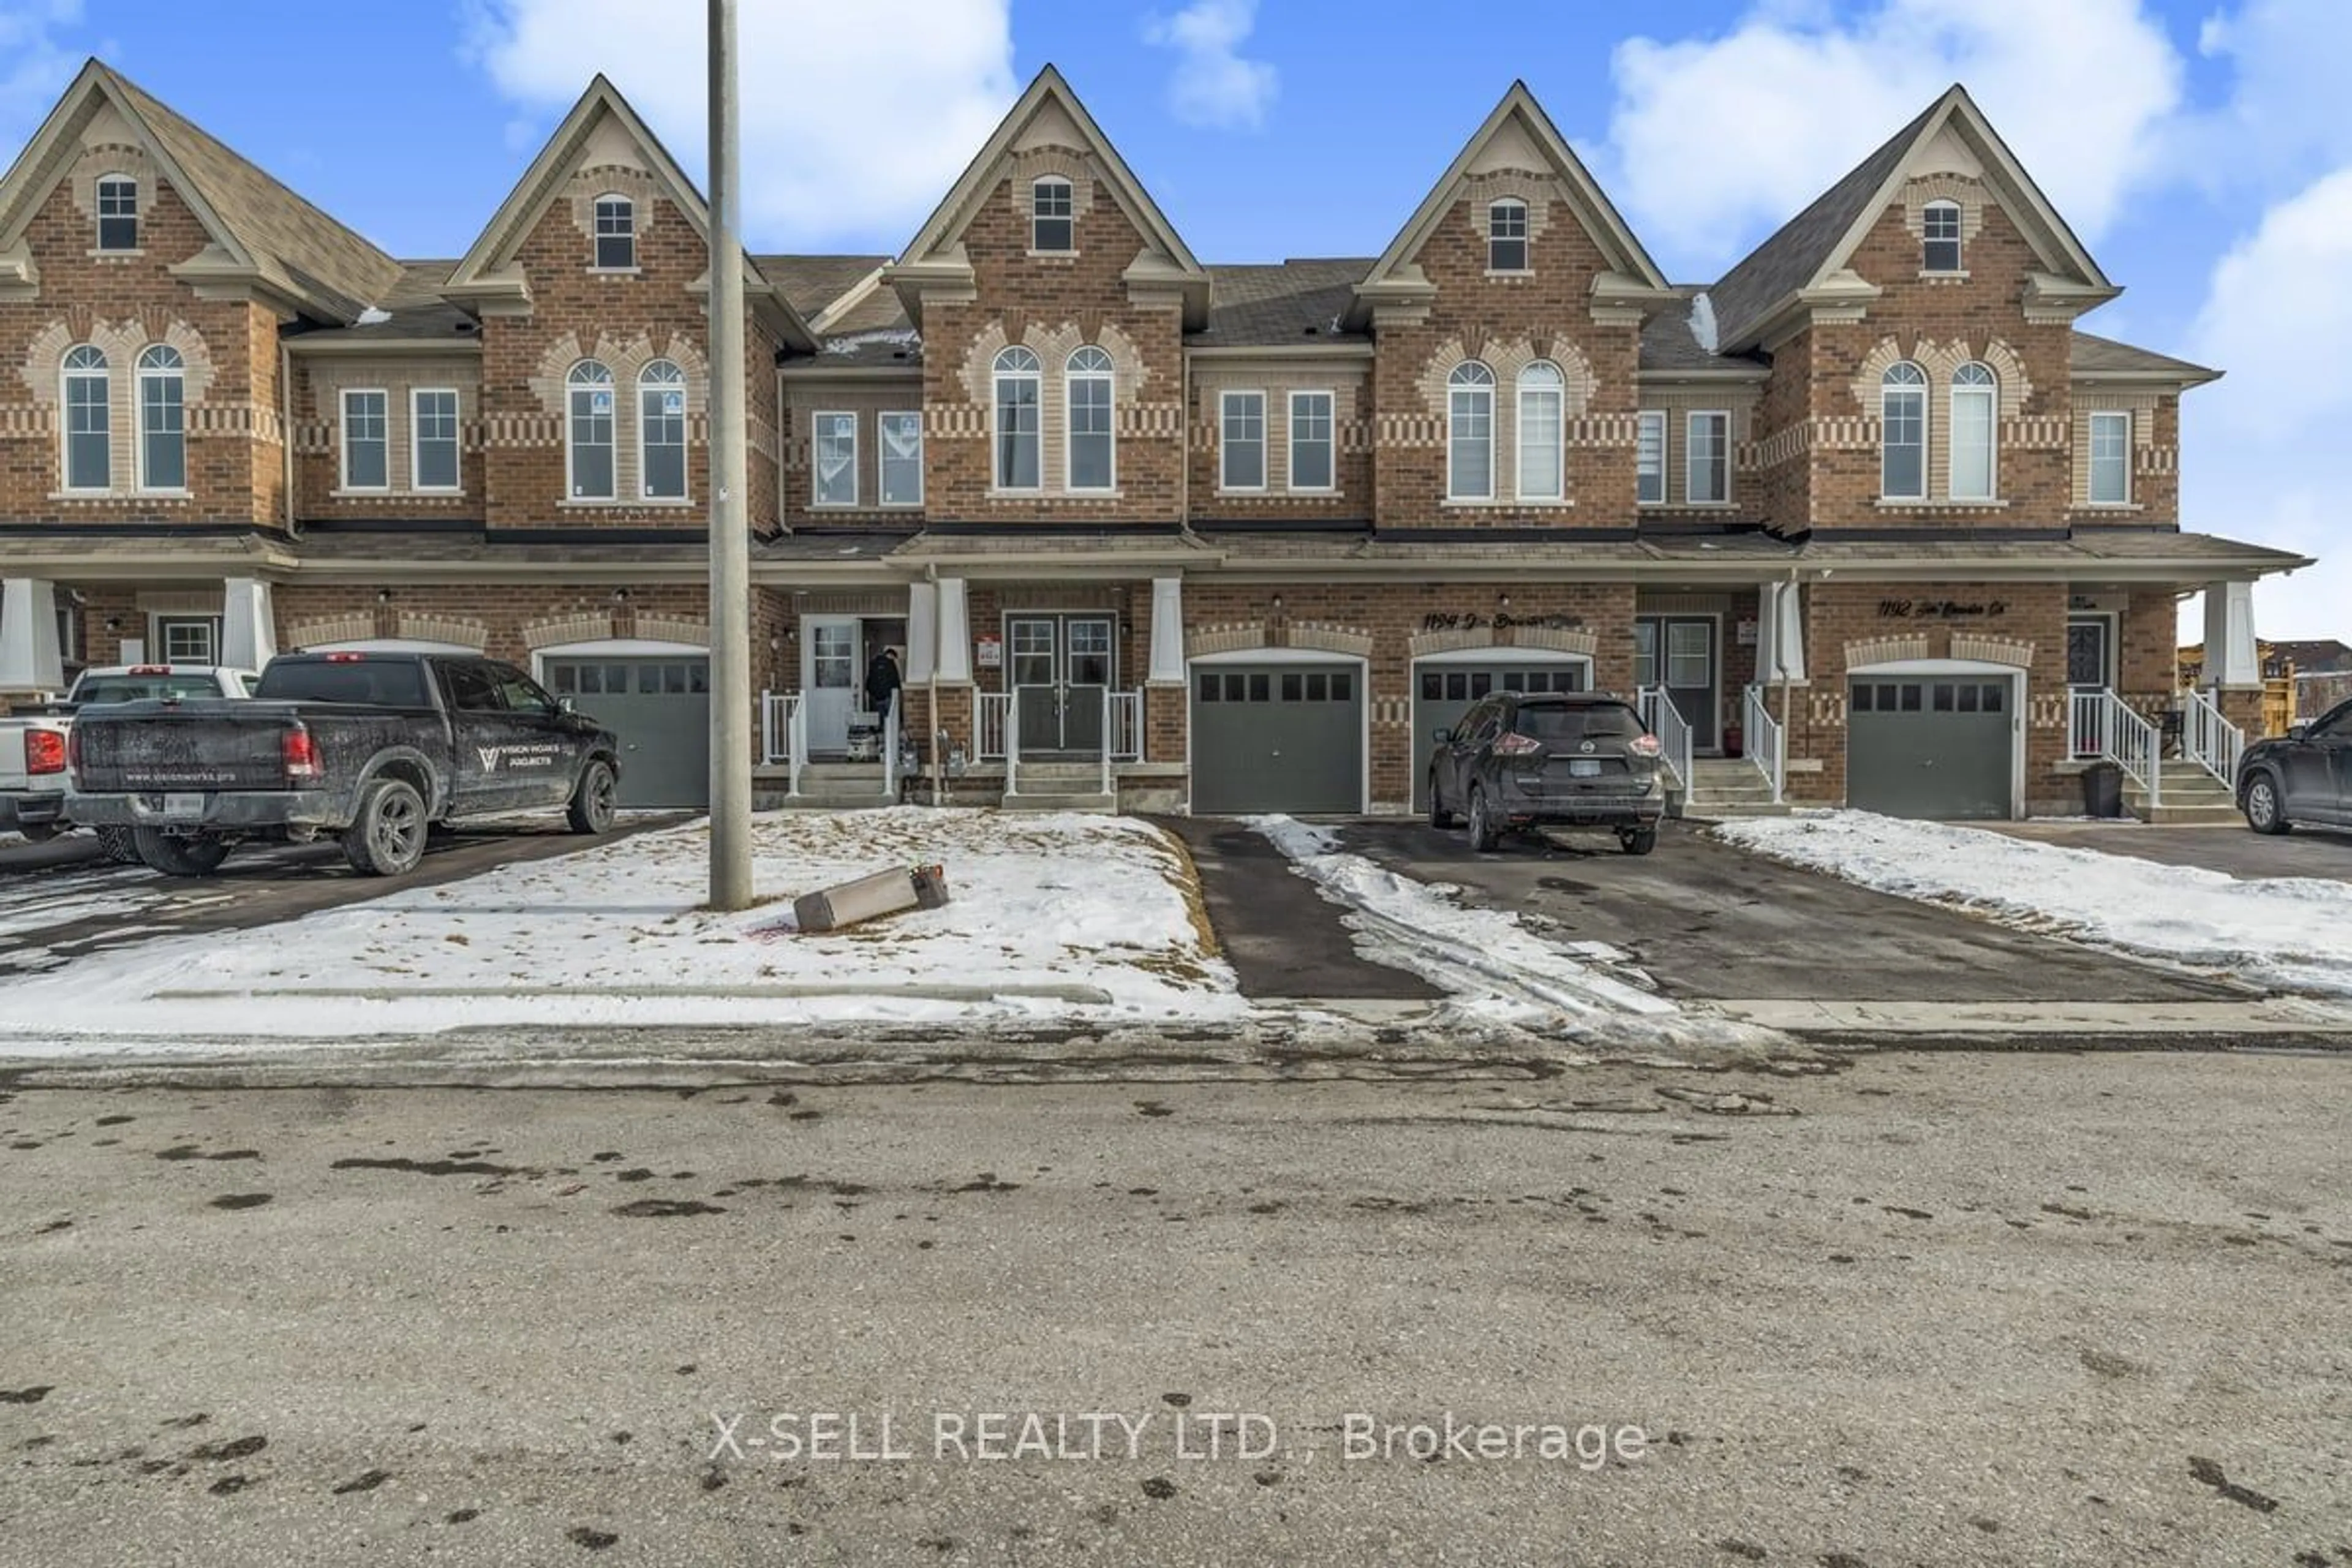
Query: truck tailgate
[{"x": 204, "y": 745}]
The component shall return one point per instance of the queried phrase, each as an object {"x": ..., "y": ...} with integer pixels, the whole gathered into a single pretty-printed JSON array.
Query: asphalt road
[
  {"x": 1937, "y": 1310},
  {"x": 2237, "y": 851},
  {"x": 1708, "y": 921}
]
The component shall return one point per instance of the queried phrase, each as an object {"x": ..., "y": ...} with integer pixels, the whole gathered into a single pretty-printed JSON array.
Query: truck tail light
[
  {"x": 1518, "y": 745},
  {"x": 301, "y": 753},
  {"x": 1645, "y": 745},
  {"x": 73, "y": 750},
  {"x": 44, "y": 752}
]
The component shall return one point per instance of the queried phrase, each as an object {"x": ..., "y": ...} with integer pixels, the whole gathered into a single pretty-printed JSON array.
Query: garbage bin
[{"x": 2103, "y": 790}]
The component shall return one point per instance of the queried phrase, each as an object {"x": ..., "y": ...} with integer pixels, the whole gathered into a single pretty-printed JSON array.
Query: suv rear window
[
  {"x": 143, "y": 688},
  {"x": 386, "y": 683},
  {"x": 1595, "y": 721}
]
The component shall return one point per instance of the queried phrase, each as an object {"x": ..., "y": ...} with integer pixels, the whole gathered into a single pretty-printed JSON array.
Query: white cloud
[
  {"x": 2287, "y": 59},
  {"x": 1212, "y": 85},
  {"x": 1717, "y": 140},
  {"x": 853, "y": 128},
  {"x": 35, "y": 66}
]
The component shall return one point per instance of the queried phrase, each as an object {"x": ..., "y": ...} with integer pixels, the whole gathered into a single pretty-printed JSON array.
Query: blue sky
[{"x": 2200, "y": 148}]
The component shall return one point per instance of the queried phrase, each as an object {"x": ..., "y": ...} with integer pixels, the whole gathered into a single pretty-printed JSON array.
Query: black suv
[
  {"x": 1578, "y": 759},
  {"x": 2303, "y": 776}
]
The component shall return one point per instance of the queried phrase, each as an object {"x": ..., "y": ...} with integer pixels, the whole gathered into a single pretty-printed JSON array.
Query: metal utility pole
[{"x": 730, "y": 549}]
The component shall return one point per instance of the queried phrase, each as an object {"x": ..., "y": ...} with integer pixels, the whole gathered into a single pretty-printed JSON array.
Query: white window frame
[
  {"x": 1330, "y": 442},
  {"x": 1960, "y": 253},
  {"x": 1647, "y": 421},
  {"x": 1889, "y": 388},
  {"x": 597, "y": 236},
  {"x": 343, "y": 406},
  {"x": 103, "y": 374},
  {"x": 2091, "y": 496},
  {"x": 1460, "y": 383},
  {"x": 1001, "y": 372},
  {"x": 416, "y": 395},
  {"x": 882, "y": 457},
  {"x": 574, "y": 387},
  {"x": 159, "y": 626},
  {"x": 1721, "y": 449},
  {"x": 818, "y": 500},
  {"x": 175, "y": 372},
  {"x": 1519, "y": 207},
  {"x": 1069, "y": 190},
  {"x": 99, "y": 221},
  {"x": 1099, "y": 370},
  {"x": 1987, "y": 392},
  {"x": 674, "y": 381},
  {"x": 1555, "y": 389},
  {"x": 1226, "y": 444}
]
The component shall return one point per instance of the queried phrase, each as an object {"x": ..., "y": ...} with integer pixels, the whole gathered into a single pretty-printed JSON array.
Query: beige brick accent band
[
  {"x": 1994, "y": 650},
  {"x": 1883, "y": 650}
]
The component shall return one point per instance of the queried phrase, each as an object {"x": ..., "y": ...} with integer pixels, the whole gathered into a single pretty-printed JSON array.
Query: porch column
[
  {"x": 29, "y": 660},
  {"x": 248, "y": 630},
  {"x": 922, "y": 631},
  {"x": 1167, "y": 665},
  {"x": 2230, "y": 660},
  {"x": 1780, "y": 632},
  {"x": 954, "y": 649}
]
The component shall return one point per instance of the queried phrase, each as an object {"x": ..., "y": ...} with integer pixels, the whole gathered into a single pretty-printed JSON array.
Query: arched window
[
  {"x": 1542, "y": 426},
  {"x": 1974, "y": 392},
  {"x": 1903, "y": 436},
  {"x": 118, "y": 211},
  {"x": 661, "y": 431},
  {"x": 1093, "y": 459},
  {"x": 588, "y": 431},
  {"x": 89, "y": 439},
  {"x": 1053, "y": 215},
  {"x": 1939, "y": 247},
  {"x": 1017, "y": 390},
  {"x": 1507, "y": 235},
  {"x": 162, "y": 419},
  {"x": 616, "y": 233},
  {"x": 1470, "y": 432}
]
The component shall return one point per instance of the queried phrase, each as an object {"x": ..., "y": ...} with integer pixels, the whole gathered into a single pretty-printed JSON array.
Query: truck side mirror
[{"x": 2299, "y": 731}]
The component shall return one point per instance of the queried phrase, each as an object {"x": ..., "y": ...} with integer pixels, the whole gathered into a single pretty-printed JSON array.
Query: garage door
[
  {"x": 1442, "y": 693},
  {"x": 1931, "y": 748},
  {"x": 1286, "y": 737},
  {"x": 660, "y": 708}
]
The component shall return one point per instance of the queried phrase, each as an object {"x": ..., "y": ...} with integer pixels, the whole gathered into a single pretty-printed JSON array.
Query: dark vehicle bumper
[
  {"x": 1622, "y": 808},
  {"x": 32, "y": 809},
  {"x": 237, "y": 811}
]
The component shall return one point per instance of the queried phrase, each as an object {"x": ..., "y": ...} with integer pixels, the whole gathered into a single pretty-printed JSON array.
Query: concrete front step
[
  {"x": 1089, "y": 801},
  {"x": 1719, "y": 810}
]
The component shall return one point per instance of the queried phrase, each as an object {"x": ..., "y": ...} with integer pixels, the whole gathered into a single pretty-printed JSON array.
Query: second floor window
[
  {"x": 1018, "y": 438},
  {"x": 588, "y": 431},
  {"x": 1706, "y": 458},
  {"x": 1974, "y": 394},
  {"x": 1650, "y": 459},
  {"x": 616, "y": 234},
  {"x": 1087, "y": 382},
  {"x": 162, "y": 419},
  {"x": 1311, "y": 441},
  {"x": 89, "y": 443},
  {"x": 1542, "y": 428},
  {"x": 1902, "y": 433},
  {"x": 1507, "y": 236},
  {"x": 433, "y": 438},
  {"x": 902, "y": 459},
  {"x": 118, "y": 212},
  {"x": 2110, "y": 458},
  {"x": 661, "y": 431},
  {"x": 365, "y": 441},
  {"x": 1470, "y": 432},
  {"x": 835, "y": 440},
  {"x": 1052, "y": 224},
  {"x": 1242, "y": 444},
  {"x": 1940, "y": 245}
]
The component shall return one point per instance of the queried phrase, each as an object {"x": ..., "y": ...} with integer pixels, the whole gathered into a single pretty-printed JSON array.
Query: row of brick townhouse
[{"x": 1869, "y": 511}]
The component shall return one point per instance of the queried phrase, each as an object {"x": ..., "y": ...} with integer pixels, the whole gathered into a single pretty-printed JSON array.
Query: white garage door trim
[
  {"x": 625, "y": 646},
  {"x": 1290, "y": 656},
  {"x": 1979, "y": 667},
  {"x": 394, "y": 644}
]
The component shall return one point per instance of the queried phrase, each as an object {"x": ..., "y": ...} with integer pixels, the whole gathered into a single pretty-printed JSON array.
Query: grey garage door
[
  {"x": 1286, "y": 737},
  {"x": 660, "y": 708},
  {"x": 1931, "y": 748},
  {"x": 1442, "y": 693}
]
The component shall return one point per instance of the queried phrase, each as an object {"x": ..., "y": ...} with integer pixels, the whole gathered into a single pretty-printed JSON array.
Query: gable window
[
  {"x": 2110, "y": 456},
  {"x": 1017, "y": 438},
  {"x": 902, "y": 458},
  {"x": 1470, "y": 432},
  {"x": 1242, "y": 416},
  {"x": 433, "y": 438},
  {"x": 588, "y": 432},
  {"x": 616, "y": 234},
  {"x": 89, "y": 443},
  {"x": 1940, "y": 245},
  {"x": 118, "y": 212},
  {"x": 1086, "y": 382},
  {"x": 1974, "y": 392},
  {"x": 1650, "y": 459},
  {"x": 1507, "y": 236},
  {"x": 1052, "y": 216},
  {"x": 188, "y": 639},
  {"x": 1902, "y": 433},
  {"x": 365, "y": 441},
  {"x": 1311, "y": 441},
  {"x": 1706, "y": 458},
  {"x": 661, "y": 431},
  {"x": 835, "y": 439},
  {"x": 162, "y": 419},
  {"x": 1542, "y": 390}
]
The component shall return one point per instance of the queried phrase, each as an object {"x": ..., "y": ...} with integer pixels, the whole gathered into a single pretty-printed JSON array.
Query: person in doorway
[{"x": 882, "y": 683}]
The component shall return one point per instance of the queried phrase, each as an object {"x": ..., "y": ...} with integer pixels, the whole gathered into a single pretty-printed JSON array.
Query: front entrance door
[
  {"x": 1060, "y": 667},
  {"x": 2090, "y": 666},
  {"x": 1677, "y": 652},
  {"x": 831, "y": 663}
]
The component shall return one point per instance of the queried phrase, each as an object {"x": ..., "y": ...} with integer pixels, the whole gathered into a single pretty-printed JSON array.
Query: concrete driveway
[
  {"x": 2236, "y": 850},
  {"x": 1711, "y": 922}
]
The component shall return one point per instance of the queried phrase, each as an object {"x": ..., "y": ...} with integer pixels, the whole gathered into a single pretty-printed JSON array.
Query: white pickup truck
[{"x": 33, "y": 745}]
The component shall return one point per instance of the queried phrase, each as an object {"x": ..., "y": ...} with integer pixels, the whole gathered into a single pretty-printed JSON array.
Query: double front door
[
  {"x": 1059, "y": 667},
  {"x": 1678, "y": 653}
]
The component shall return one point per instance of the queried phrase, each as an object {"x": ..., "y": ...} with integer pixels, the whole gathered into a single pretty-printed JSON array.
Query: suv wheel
[
  {"x": 592, "y": 802},
  {"x": 1484, "y": 834},
  {"x": 1439, "y": 817},
  {"x": 387, "y": 837},
  {"x": 197, "y": 855},
  {"x": 2262, "y": 806},
  {"x": 1638, "y": 840}
]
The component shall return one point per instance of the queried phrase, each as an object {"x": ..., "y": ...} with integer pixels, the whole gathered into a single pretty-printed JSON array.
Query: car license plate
[
  {"x": 190, "y": 808},
  {"x": 1584, "y": 767}
]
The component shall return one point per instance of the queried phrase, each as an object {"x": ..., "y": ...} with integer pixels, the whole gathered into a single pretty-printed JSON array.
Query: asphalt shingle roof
[
  {"x": 1261, "y": 306},
  {"x": 2090, "y": 355},
  {"x": 810, "y": 283}
]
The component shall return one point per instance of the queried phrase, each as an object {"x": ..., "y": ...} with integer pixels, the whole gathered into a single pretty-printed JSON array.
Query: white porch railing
[
  {"x": 1125, "y": 727},
  {"x": 992, "y": 721},
  {"x": 890, "y": 759},
  {"x": 2102, "y": 727},
  {"x": 1767, "y": 743},
  {"x": 783, "y": 733},
  {"x": 1673, "y": 730},
  {"x": 2208, "y": 739},
  {"x": 2085, "y": 735}
]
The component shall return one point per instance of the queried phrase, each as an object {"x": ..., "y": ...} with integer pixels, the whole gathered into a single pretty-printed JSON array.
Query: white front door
[{"x": 830, "y": 667}]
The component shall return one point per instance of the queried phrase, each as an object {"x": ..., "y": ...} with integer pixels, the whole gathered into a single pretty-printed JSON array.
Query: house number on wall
[
  {"x": 1938, "y": 609},
  {"x": 1471, "y": 620}
]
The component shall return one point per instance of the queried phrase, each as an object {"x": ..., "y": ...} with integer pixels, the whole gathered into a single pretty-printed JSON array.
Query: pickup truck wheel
[
  {"x": 196, "y": 855},
  {"x": 120, "y": 848},
  {"x": 387, "y": 837},
  {"x": 592, "y": 802}
]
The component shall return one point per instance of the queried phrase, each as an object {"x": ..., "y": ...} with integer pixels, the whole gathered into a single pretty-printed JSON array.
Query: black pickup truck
[{"x": 372, "y": 748}]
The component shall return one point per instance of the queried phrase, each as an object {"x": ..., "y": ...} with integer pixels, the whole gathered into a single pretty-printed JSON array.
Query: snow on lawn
[
  {"x": 2288, "y": 933},
  {"x": 1051, "y": 917}
]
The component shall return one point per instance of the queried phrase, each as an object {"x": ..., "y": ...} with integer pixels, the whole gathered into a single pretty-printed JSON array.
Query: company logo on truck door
[{"x": 517, "y": 758}]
